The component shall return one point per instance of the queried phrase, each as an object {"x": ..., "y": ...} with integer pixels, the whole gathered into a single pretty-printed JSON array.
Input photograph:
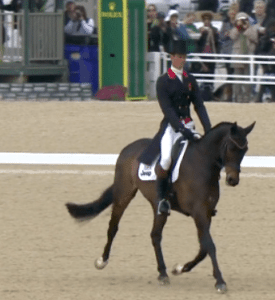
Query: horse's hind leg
[{"x": 123, "y": 194}]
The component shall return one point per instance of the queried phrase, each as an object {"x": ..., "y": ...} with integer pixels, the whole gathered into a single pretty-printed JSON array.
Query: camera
[
  {"x": 242, "y": 22},
  {"x": 78, "y": 14}
]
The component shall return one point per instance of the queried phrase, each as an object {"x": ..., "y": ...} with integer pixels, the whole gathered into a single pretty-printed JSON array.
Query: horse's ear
[
  {"x": 234, "y": 128},
  {"x": 249, "y": 128}
]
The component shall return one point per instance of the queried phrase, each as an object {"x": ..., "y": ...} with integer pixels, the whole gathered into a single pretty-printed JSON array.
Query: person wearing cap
[
  {"x": 244, "y": 40},
  {"x": 175, "y": 30},
  {"x": 157, "y": 33},
  {"x": 176, "y": 90}
]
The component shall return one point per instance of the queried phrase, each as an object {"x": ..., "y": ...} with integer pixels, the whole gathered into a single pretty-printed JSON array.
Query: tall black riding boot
[{"x": 162, "y": 185}]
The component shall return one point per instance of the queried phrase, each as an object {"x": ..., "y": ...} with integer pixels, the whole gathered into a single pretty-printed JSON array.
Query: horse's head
[{"x": 235, "y": 147}]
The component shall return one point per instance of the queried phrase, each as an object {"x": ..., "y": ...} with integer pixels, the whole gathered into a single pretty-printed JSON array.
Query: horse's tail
[{"x": 88, "y": 211}]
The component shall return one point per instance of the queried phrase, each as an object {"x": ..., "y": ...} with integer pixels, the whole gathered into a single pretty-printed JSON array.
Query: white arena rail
[
  {"x": 157, "y": 64},
  {"x": 22, "y": 158}
]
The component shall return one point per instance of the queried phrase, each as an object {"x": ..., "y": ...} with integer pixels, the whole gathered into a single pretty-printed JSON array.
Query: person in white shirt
[{"x": 79, "y": 23}]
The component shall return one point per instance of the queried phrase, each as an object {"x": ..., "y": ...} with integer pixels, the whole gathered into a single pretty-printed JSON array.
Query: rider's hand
[
  {"x": 196, "y": 136},
  {"x": 187, "y": 133}
]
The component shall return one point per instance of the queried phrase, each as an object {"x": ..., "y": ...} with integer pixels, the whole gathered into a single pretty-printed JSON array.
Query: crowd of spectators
[{"x": 247, "y": 27}]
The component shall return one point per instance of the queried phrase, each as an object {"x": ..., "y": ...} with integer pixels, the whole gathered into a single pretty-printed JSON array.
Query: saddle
[{"x": 147, "y": 172}]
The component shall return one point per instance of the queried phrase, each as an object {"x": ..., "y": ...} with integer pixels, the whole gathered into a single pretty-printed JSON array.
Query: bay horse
[{"x": 196, "y": 192}]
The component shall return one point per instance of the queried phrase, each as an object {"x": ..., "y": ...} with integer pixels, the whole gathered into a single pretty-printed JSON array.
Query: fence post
[
  {"x": 153, "y": 72},
  {"x": 25, "y": 42},
  {"x": 252, "y": 68}
]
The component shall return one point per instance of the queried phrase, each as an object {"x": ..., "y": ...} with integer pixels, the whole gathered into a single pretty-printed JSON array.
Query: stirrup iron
[{"x": 164, "y": 207}]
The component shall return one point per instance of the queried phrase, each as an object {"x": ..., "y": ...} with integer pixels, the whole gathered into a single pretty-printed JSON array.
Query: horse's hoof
[
  {"x": 177, "y": 269},
  {"x": 100, "y": 264},
  {"x": 163, "y": 280},
  {"x": 221, "y": 288}
]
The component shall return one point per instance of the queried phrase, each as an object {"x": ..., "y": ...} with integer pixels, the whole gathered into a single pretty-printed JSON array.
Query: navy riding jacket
[{"x": 174, "y": 97}]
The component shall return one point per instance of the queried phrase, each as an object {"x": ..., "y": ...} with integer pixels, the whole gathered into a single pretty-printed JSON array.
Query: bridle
[
  {"x": 237, "y": 145},
  {"x": 221, "y": 161}
]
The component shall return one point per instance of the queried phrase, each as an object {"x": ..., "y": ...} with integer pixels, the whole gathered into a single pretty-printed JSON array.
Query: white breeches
[{"x": 168, "y": 140}]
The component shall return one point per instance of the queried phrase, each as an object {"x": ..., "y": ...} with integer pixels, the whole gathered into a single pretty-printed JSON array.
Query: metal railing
[
  {"x": 158, "y": 62},
  {"x": 44, "y": 42},
  {"x": 251, "y": 60},
  {"x": 45, "y": 36}
]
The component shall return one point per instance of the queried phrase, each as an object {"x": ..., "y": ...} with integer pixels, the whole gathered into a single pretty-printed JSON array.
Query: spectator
[
  {"x": 208, "y": 43},
  {"x": 246, "y": 6},
  {"x": 211, "y": 5},
  {"x": 16, "y": 5},
  {"x": 188, "y": 21},
  {"x": 151, "y": 20},
  {"x": 244, "y": 42},
  {"x": 157, "y": 33},
  {"x": 152, "y": 16},
  {"x": 175, "y": 31},
  {"x": 270, "y": 9},
  {"x": 226, "y": 46},
  {"x": 267, "y": 47},
  {"x": 37, "y": 5},
  {"x": 80, "y": 24},
  {"x": 70, "y": 7},
  {"x": 260, "y": 17}
]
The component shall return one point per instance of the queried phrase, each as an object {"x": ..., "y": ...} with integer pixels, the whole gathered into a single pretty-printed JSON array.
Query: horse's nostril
[{"x": 232, "y": 181}]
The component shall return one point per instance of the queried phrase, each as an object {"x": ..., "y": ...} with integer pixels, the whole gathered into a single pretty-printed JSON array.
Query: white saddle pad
[{"x": 147, "y": 173}]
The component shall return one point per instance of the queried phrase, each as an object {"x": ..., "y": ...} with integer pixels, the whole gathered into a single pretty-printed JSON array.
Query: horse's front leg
[
  {"x": 178, "y": 268},
  {"x": 156, "y": 236},
  {"x": 207, "y": 245}
]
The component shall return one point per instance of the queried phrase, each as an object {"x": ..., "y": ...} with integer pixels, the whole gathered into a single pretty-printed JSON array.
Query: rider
[{"x": 176, "y": 90}]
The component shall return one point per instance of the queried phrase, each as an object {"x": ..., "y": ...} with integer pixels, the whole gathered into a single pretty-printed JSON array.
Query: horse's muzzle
[{"x": 232, "y": 180}]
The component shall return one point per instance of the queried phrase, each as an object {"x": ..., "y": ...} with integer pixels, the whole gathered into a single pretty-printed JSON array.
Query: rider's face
[{"x": 178, "y": 60}]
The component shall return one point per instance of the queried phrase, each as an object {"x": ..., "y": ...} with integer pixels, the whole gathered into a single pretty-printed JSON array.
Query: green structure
[{"x": 122, "y": 45}]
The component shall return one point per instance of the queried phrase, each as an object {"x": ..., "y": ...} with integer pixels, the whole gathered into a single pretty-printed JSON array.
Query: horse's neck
[{"x": 213, "y": 143}]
